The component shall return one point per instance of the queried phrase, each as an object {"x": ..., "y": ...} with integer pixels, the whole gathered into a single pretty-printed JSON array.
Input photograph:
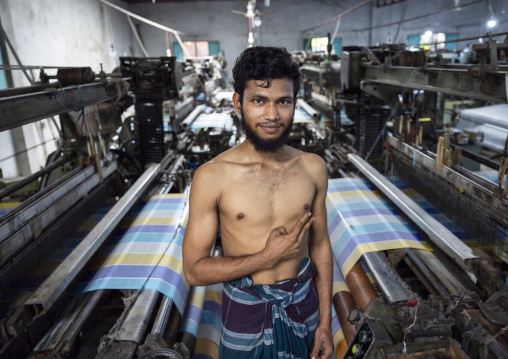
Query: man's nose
[{"x": 271, "y": 112}]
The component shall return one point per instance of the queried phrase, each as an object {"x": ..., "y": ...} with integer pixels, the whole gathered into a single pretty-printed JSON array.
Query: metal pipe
[
  {"x": 386, "y": 278},
  {"x": 311, "y": 111},
  {"x": 54, "y": 286},
  {"x": 134, "y": 325},
  {"x": 27, "y": 222},
  {"x": 447, "y": 278},
  {"x": 159, "y": 326},
  {"x": 478, "y": 158},
  {"x": 192, "y": 116},
  {"x": 18, "y": 185},
  {"x": 63, "y": 334},
  {"x": 423, "y": 273},
  {"x": 437, "y": 233},
  {"x": 359, "y": 286}
]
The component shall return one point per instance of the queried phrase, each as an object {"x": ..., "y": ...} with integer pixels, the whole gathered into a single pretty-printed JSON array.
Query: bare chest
[{"x": 266, "y": 197}]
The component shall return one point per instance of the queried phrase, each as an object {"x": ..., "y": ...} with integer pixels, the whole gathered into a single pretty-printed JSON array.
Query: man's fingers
[
  {"x": 305, "y": 229},
  {"x": 279, "y": 231},
  {"x": 315, "y": 351},
  {"x": 301, "y": 223}
]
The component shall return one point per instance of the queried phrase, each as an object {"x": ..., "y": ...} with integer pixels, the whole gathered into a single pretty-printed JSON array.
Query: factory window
[
  {"x": 3, "y": 79},
  {"x": 452, "y": 45},
  {"x": 317, "y": 44},
  {"x": 428, "y": 39},
  {"x": 197, "y": 48}
]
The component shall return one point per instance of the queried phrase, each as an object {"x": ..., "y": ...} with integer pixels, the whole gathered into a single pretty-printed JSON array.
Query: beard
[{"x": 262, "y": 145}]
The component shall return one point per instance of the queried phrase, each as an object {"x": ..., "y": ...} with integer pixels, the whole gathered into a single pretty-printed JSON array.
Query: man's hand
[
  {"x": 282, "y": 245},
  {"x": 323, "y": 343}
]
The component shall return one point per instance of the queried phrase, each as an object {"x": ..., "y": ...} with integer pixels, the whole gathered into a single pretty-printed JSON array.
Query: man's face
[{"x": 267, "y": 113}]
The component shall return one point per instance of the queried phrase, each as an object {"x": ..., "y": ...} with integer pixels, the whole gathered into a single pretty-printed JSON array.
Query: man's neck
[{"x": 253, "y": 155}]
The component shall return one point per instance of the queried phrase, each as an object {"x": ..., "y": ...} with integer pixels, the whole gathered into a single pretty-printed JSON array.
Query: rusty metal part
[
  {"x": 360, "y": 287},
  {"x": 75, "y": 76},
  {"x": 485, "y": 47},
  {"x": 343, "y": 302},
  {"x": 410, "y": 58}
]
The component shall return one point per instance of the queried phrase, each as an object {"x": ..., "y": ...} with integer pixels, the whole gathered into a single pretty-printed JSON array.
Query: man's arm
[
  {"x": 321, "y": 254},
  {"x": 199, "y": 267}
]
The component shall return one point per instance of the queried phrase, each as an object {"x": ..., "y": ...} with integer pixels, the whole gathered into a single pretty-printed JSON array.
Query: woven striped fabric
[
  {"x": 270, "y": 321},
  {"x": 147, "y": 251},
  {"x": 361, "y": 221},
  {"x": 302, "y": 117},
  {"x": 6, "y": 207},
  {"x": 207, "y": 346},
  {"x": 216, "y": 119},
  {"x": 193, "y": 310}
]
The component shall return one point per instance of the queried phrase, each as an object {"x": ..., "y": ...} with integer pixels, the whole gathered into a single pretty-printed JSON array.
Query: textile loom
[{"x": 91, "y": 257}]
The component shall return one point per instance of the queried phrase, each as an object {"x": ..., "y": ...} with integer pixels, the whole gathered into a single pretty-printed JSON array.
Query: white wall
[{"x": 56, "y": 33}]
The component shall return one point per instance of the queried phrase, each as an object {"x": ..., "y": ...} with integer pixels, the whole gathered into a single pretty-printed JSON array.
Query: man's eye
[
  {"x": 284, "y": 102},
  {"x": 257, "y": 101}
]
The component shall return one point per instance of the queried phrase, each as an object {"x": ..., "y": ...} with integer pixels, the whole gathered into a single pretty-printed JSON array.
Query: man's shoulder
[
  {"x": 313, "y": 165},
  {"x": 310, "y": 161},
  {"x": 217, "y": 167}
]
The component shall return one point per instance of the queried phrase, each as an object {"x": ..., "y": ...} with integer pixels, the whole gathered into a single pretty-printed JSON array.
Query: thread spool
[{"x": 75, "y": 76}]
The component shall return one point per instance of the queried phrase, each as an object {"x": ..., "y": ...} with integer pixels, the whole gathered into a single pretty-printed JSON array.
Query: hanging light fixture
[{"x": 257, "y": 19}]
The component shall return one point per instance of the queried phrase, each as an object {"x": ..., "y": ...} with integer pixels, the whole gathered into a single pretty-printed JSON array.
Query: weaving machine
[
  {"x": 418, "y": 240},
  {"x": 404, "y": 108}
]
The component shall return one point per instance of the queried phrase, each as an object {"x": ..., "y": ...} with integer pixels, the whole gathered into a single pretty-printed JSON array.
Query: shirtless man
[{"x": 269, "y": 201}]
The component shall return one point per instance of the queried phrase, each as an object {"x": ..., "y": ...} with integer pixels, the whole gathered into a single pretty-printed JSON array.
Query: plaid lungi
[{"x": 270, "y": 321}]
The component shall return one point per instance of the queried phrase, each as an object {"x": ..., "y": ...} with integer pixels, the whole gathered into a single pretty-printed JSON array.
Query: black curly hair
[{"x": 264, "y": 63}]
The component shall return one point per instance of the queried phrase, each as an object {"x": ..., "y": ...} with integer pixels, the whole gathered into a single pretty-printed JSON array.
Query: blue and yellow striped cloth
[
  {"x": 215, "y": 119},
  {"x": 6, "y": 207},
  {"x": 147, "y": 251},
  {"x": 361, "y": 221},
  {"x": 207, "y": 346}
]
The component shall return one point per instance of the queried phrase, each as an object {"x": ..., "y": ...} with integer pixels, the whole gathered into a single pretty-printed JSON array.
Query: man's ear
[{"x": 237, "y": 103}]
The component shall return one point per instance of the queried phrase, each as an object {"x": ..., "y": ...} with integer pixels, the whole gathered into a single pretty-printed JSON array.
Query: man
[{"x": 269, "y": 201}]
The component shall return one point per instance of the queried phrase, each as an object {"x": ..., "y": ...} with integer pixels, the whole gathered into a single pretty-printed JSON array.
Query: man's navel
[{"x": 240, "y": 216}]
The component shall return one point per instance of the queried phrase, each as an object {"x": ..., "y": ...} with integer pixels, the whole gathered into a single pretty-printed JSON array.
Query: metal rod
[
  {"x": 64, "y": 332},
  {"x": 427, "y": 276},
  {"x": 478, "y": 158},
  {"x": 51, "y": 290},
  {"x": 420, "y": 16},
  {"x": 18, "y": 185},
  {"x": 149, "y": 22},
  {"x": 192, "y": 116},
  {"x": 340, "y": 15},
  {"x": 386, "y": 278},
  {"x": 136, "y": 35},
  {"x": 311, "y": 111},
  {"x": 447, "y": 278},
  {"x": 487, "y": 35},
  {"x": 6, "y": 38},
  {"x": 437, "y": 233},
  {"x": 159, "y": 326},
  {"x": 136, "y": 322},
  {"x": 400, "y": 23},
  {"x": 23, "y": 109}
]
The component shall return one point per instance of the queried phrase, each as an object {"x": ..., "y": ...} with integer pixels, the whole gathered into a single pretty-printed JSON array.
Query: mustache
[{"x": 270, "y": 124}]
